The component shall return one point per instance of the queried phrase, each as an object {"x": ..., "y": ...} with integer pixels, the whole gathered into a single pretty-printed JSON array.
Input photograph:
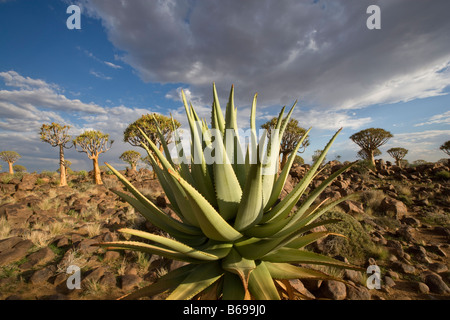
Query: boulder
[{"x": 393, "y": 208}]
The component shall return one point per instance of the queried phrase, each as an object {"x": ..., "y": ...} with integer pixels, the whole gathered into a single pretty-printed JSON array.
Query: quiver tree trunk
[
  {"x": 62, "y": 167},
  {"x": 97, "y": 172},
  {"x": 371, "y": 158},
  {"x": 283, "y": 160},
  {"x": 10, "y": 166}
]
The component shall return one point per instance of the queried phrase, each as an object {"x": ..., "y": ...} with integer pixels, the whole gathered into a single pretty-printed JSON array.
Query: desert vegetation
[{"x": 224, "y": 231}]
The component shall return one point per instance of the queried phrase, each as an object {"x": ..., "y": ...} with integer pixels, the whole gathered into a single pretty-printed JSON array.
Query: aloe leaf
[
  {"x": 218, "y": 249},
  {"x": 152, "y": 249},
  {"x": 199, "y": 170},
  {"x": 289, "y": 271},
  {"x": 251, "y": 207},
  {"x": 198, "y": 280},
  {"x": 231, "y": 141},
  {"x": 172, "y": 244},
  {"x": 259, "y": 249},
  {"x": 211, "y": 222},
  {"x": 279, "y": 184},
  {"x": 301, "y": 256},
  {"x": 237, "y": 264},
  {"x": 161, "y": 216},
  {"x": 163, "y": 142},
  {"x": 261, "y": 285},
  {"x": 282, "y": 209},
  {"x": 176, "y": 230},
  {"x": 218, "y": 111},
  {"x": 293, "y": 222},
  {"x": 166, "y": 282},
  {"x": 232, "y": 287},
  {"x": 228, "y": 188}
]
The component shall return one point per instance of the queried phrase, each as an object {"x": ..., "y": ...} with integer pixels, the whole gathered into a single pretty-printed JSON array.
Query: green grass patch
[{"x": 357, "y": 246}]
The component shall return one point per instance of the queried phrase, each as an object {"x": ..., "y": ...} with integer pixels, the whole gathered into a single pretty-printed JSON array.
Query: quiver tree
[
  {"x": 316, "y": 155},
  {"x": 370, "y": 140},
  {"x": 93, "y": 143},
  {"x": 364, "y": 156},
  {"x": 57, "y": 136},
  {"x": 131, "y": 157},
  {"x": 398, "y": 154},
  {"x": 149, "y": 124},
  {"x": 446, "y": 147},
  {"x": 10, "y": 157},
  {"x": 292, "y": 134},
  {"x": 19, "y": 168}
]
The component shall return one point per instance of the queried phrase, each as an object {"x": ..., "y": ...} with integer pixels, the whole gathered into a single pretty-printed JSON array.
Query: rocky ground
[{"x": 400, "y": 223}]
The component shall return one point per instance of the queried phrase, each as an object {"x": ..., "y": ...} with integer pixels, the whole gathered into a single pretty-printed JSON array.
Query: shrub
[
  {"x": 358, "y": 246},
  {"x": 443, "y": 175}
]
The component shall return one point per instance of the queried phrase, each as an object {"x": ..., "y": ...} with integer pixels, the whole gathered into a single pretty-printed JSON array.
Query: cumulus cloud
[
  {"x": 22, "y": 113},
  {"x": 318, "y": 51},
  {"x": 35, "y": 98}
]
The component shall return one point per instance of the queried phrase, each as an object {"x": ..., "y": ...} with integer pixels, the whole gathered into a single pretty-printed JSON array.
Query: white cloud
[
  {"x": 443, "y": 118},
  {"x": 13, "y": 79},
  {"x": 112, "y": 65},
  {"x": 99, "y": 75},
  {"x": 421, "y": 145}
]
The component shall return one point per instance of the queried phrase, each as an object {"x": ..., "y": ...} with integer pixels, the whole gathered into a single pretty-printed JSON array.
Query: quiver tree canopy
[
  {"x": 58, "y": 136},
  {"x": 370, "y": 140}
]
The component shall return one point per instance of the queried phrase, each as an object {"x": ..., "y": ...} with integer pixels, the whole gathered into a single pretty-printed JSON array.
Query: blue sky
[{"x": 133, "y": 57}]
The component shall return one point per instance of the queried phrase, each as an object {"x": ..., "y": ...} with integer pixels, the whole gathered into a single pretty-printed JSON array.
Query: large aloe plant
[{"x": 239, "y": 240}]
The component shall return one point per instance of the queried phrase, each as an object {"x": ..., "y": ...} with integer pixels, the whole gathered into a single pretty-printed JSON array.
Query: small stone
[
  {"x": 353, "y": 275},
  {"x": 111, "y": 256},
  {"x": 423, "y": 288},
  {"x": 41, "y": 276},
  {"x": 394, "y": 275},
  {"x": 38, "y": 258},
  {"x": 404, "y": 268},
  {"x": 108, "y": 280},
  {"x": 438, "y": 267},
  {"x": 130, "y": 282},
  {"x": 95, "y": 275},
  {"x": 311, "y": 284},
  {"x": 16, "y": 253},
  {"x": 298, "y": 285},
  {"x": 436, "y": 284},
  {"x": 334, "y": 290},
  {"x": 389, "y": 282},
  {"x": 358, "y": 293}
]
